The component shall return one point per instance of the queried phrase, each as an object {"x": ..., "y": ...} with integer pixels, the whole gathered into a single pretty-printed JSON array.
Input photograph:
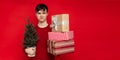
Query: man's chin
[{"x": 41, "y": 20}]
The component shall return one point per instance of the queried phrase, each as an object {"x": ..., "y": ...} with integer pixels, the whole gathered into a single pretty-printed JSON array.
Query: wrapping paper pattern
[
  {"x": 64, "y": 43},
  {"x": 63, "y": 51},
  {"x": 58, "y": 36},
  {"x": 60, "y": 47}
]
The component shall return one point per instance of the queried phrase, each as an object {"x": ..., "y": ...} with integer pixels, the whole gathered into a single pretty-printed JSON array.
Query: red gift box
[
  {"x": 60, "y": 47},
  {"x": 62, "y": 50},
  {"x": 58, "y": 36},
  {"x": 64, "y": 43}
]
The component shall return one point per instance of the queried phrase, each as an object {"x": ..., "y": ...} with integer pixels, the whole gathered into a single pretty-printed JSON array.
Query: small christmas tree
[{"x": 30, "y": 36}]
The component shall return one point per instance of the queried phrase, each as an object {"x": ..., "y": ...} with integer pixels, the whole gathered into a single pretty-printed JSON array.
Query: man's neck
[{"x": 42, "y": 24}]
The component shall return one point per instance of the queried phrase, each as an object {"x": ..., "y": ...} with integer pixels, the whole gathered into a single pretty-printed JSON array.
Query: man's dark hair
[{"x": 41, "y": 7}]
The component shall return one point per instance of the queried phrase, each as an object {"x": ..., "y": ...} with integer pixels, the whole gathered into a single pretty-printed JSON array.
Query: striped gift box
[
  {"x": 64, "y": 43},
  {"x": 60, "y": 47},
  {"x": 63, "y": 50}
]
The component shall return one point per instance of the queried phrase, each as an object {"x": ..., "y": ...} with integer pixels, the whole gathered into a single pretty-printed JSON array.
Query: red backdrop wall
[{"x": 96, "y": 25}]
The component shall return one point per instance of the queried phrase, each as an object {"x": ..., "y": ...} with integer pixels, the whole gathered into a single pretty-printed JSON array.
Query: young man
[
  {"x": 42, "y": 13},
  {"x": 42, "y": 30}
]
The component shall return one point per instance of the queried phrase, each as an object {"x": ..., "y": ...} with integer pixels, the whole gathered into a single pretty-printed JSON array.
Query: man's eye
[
  {"x": 44, "y": 13},
  {"x": 39, "y": 13}
]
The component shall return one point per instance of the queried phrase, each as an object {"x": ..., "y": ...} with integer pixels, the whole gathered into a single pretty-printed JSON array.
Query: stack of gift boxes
[{"x": 60, "y": 40}]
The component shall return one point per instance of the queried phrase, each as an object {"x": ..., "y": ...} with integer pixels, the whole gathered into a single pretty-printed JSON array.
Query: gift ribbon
[{"x": 55, "y": 23}]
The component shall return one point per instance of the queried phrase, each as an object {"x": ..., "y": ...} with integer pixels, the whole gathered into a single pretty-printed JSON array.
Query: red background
[{"x": 96, "y": 25}]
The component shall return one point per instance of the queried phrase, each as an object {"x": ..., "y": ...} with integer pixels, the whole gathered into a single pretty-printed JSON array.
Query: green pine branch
[{"x": 30, "y": 35}]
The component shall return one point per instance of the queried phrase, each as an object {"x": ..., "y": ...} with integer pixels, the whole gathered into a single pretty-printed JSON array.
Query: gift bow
[{"x": 55, "y": 23}]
